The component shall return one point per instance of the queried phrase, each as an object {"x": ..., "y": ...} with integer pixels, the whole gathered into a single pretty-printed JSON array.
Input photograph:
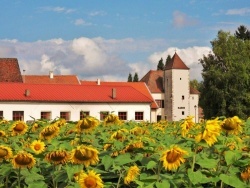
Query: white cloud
[
  {"x": 241, "y": 12},
  {"x": 180, "y": 19},
  {"x": 89, "y": 59},
  {"x": 97, "y": 13},
  {"x": 57, "y": 9},
  {"x": 81, "y": 22}
]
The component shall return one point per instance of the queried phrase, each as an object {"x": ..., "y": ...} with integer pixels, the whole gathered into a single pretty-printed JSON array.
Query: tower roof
[
  {"x": 9, "y": 70},
  {"x": 176, "y": 63}
]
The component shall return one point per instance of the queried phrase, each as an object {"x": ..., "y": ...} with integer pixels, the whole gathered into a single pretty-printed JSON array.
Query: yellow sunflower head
[
  {"x": 119, "y": 135},
  {"x": 5, "y": 152},
  {"x": 187, "y": 125},
  {"x": 84, "y": 155},
  {"x": 232, "y": 125},
  {"x": 34, "y": 128},
  {"x": 139, "y": 131},
  {"x": 112, "y": 119},
  {"x": 132, "y": 174},
  {"x": 57, "y": 157},
  {"x": 23, "y": 160},
  {"x": 173, "y": 157},
  {"x": 245, "y": 175},
  {"x": 37, "y": 146},
  {"x": 49, "y": 132},
  {"x": 4, "y": 121},
  {"x": 87, "y": 124},
  {"x": 90, "y": 180},
  {"x": 132, "y": 146},
  {"x": 19, "y": 128},
  {"x": 2, "y": 133}
]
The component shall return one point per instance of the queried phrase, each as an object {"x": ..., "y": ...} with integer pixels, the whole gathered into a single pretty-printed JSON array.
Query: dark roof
[
  {"x": 176, "y": 63},
  {"x": 194, "y": 91},
  {"x": 9, "y": 70},
  {"x": 154, "y": 81}
]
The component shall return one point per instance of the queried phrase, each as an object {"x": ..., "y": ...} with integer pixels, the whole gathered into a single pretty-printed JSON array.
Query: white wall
[
  {"x": 194, "y": 99},
  {"x": 34, "y": 109}
]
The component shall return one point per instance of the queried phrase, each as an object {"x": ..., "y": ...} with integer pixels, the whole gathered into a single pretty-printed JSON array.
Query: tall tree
[
  {"x": 168, "y": 60},
  {"x": 195, "y": 84},
  {"x": 225, "y": 90},
  {"x": 130, "y": 77},
  {"x": 242, "y": 33},
  {"x": 136, "y": 78},
  {"x": 160, "y": 65}
]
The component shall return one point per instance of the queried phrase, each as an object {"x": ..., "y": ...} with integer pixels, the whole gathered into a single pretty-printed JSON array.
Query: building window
[
  {"x": 65, "y": 115},
  {"x": 183, "y": 113},
  {"x": 180, "y": 78},
  {"x": 18, "y": 115},
  {"x": 46, "y": 115},
  {"x": 84, "y": 114},
  {"x": 160, "y": 103},
  {"x": 122, "y": 115},
  {"x": 138, "y": 115},
  {"x": 103, "y": 114},
  {"x": 1, "y": 115},
  {"x": 158, "y": 118},
  {"x": 182, "y": 97}
]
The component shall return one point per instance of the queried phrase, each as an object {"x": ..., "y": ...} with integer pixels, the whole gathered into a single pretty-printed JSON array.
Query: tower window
[
  {"x": 183, "y": 113},
  {"x": 180, "y": 78},
  {"x": 182, "y": 97}
]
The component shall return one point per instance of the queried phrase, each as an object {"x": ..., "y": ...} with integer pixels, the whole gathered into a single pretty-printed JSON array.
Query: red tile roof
[
  {"x": 194, "y": 91},
  {"x": 176, "y": 63},
  {"x": 9, "y": 70},
  {"x": 45, "y": 79},
  {"x": 139, "y": 86},
  {"x": 70, "y": 93},
  {"x": 154, "y": 81}
]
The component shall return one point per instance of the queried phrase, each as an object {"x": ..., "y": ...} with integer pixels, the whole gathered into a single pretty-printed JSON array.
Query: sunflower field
[{"x": 117, "y": 154}]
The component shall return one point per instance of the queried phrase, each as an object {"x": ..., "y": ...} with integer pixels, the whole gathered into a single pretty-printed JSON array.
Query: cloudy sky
[{"x": 110, "y": 39}]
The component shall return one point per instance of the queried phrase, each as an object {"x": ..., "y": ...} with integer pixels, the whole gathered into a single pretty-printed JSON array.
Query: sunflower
[
  {"x": 2, "y": 133},
  {"x": 19, "y": 127},
  {"x": 90, "y": 180},
  {"x": 245, "y": 175},
  {"x": 232, "y": 125},
  {"x": 23, "y": 160},
  {"x": 4, "y": 121},
  {"x": 212, "y": 130},
  {"x": 173, "y": 157},
  {"x": 5, "y": 152},
  {"x": 132, "y": 174},
  {"x": 112, "y": 119},
  {"x": 119, "y": 135},
  {"x": 187, "y": 125},
  {"x": 57, "y": 157},
  {"x": 130, "y": 147},
  {"x": 49, "y": 132},
  {"x": 37, "y": 146},
  {"x": 139, "y": 131},
  {"x": 87, "y": 124},
  {"x": 84, "y": 155},
  {"x": 34, "y": 127}
]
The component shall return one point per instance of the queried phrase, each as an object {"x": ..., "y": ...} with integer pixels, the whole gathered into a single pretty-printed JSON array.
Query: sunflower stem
[
  {"x": 19, "y": 177},
  {"x": 194, "y": 158},
  {"x": 119, "y": 180}
]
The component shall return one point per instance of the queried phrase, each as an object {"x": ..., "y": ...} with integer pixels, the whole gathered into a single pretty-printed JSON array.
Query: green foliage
[
  {"x": 135, "y": 78},
  {"x": 168, "y": 60},
  {"x": 242, "y": 33},
  {"x": 225, "y": 90},
  {"x": 195, "y": 84},
  {"x": 130, "y": 77},
  {"x": 160, "y": 65}
]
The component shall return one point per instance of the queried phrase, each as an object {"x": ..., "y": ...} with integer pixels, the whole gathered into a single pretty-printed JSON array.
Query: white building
[{"x": 171, "y": 90}]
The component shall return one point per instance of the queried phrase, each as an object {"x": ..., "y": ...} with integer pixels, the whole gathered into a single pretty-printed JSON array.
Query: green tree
[
  {"x": 130, "y": 77},
  {"x": 195, "y": 84},
  {"x": 225, "y": 90},
  {"x": 242, "y": 33},
  {"x": 136, "y": 78},
  {"x": 168, "y": 60},
  {"x": 160, "y": 65}
]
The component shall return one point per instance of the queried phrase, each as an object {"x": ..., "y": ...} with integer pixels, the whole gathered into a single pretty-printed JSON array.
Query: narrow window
[
  {"x": 65, "y": 115},
  {"x": 46, "y": 115},
  {"x": 122, "y": 115},
  {"x": 138, "y": 115},
  {"x": 160, "y": 103},
  {"x": 182, "y": 97},
  {"x": 180, "y": 78},
  {"x": 84, "y": 114},
  {"x": 18, "y": 115},
  {"x": 183, "y": 113},
  {"x": 1, "y": 115},
  {"x": 103, "y": 114}
]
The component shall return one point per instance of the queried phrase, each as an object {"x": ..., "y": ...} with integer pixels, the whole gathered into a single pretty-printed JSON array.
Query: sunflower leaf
[
  {"x": 232, "y": 156},
  {"x": 151, "y": 165},
  {"x": 107, "y": 161},
  {"x": 163, "y": 184},
  {"x": 232, "y": 181}
]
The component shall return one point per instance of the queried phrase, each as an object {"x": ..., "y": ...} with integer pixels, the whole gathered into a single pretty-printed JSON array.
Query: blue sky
[{"x": 108, "y": 39}]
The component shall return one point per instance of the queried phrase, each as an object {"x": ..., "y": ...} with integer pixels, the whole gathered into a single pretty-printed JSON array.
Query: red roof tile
[
  {"x": 9, "y": 70},
  {"x": 194, "y": 91},
  {"x": 70, "y": 93},
  {"x": 139, "y": 86},
  {"x": 45, "y": 79},
  {"x": 176, "y": 63}
]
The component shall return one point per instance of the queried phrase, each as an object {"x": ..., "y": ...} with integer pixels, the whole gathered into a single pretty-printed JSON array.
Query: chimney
[
  {"x": 113, "y": 93},
  {"x": 51, "y": 75},
  {"x": 98, "y": 81},
  {"x": 27, "y": 92}
]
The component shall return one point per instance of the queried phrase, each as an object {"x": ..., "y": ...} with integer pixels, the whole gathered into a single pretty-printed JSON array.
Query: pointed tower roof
[{"x": 176, "y": 63}]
